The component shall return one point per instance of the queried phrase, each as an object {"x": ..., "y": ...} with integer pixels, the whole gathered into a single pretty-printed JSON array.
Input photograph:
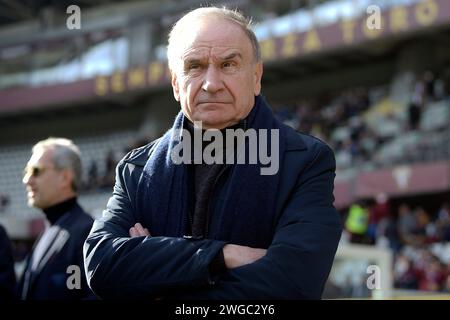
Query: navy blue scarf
[{"x": 248, "y": 216}]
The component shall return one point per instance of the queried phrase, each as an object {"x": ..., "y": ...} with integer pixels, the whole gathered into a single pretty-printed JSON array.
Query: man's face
[
  {"x": 43, "y": 182},
  {"x": 217, "y": 77}
]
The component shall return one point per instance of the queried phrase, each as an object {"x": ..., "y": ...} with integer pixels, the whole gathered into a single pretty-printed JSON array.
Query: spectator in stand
[
  {"x": 404, "y": 274},
  {"x": 417, "y": 102},
  {"x": 420, "y": 232},
  {"x": 304, "y": 115},
  {"x": 429, "y": 81},
  {"x": 351, "y": 104},
  {"x": 446, "y": 287},
  {"x": 356, "y": 127},
  {"x": 439, "y": 88},
  {"x": 357, "y": 222},
  {"x": 431, "y": 276},
  {"x": 418, "y": 96},
  {"x": 389, "y": 232},
  {"x": 381, "y": 209},
  {"x": 378, "y": 216},
  {"x": 407, "y": 224},
  {"x": 110, "y": 173},
  {"x": 414, "y": 114},
  {"x": 93, "y": 182},
  {"x": 446, "y": 81},
  {"x": 443, "y": 222},
  {"x": 426, "y": 231}
]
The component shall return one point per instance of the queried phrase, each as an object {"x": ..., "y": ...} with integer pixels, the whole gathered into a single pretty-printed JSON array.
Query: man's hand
[
  {"x": 139, "y": 231},
  {"x": 236, "y": 256}
]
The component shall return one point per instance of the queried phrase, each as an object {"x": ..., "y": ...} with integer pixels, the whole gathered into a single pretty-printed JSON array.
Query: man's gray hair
[
  {"x": 183, "y": 24},
  {"x": 66, "y": 155}
]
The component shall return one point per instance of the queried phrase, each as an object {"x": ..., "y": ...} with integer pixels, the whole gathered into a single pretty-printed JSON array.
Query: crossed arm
[
  {"x": 234, "y": 255},
  {"x": 124, "y": 262},
  {"x": 129, "y": 263}
]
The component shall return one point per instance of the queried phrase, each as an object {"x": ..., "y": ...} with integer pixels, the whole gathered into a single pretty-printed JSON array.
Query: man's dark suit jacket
[
  {"x": 7, "y": 275},
  {"x": 297, "y": 263},
  {"x": 47, "y": 278}
]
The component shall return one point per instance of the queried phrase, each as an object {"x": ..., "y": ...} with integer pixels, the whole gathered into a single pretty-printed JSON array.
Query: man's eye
[
  {"x": 194, "y": 66},
  {"x": 228, "y": 64}
]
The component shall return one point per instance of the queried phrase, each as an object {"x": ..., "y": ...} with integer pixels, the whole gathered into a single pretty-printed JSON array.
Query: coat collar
[
  {"x": 294, "y": 140},
  {"x": 140, "y": 156}
]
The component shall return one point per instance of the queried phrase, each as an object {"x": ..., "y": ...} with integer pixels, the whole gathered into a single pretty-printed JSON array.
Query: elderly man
[
  {"x": 222, "y": 229},
  {"x": 54, "y": 270}
]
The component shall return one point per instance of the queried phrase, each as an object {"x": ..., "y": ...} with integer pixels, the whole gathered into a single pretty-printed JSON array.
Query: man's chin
[
  {"x": 215, "y": 122},
  {"x": 32, "y": 203}
]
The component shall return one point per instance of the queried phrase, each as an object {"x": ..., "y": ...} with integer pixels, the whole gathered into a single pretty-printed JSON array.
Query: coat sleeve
[
  {"x": 118, "y": 266},
  {"x": 85, "y": 293},
  {"x": 7, "y": 275},
  {"x": 299, "y": 259}
]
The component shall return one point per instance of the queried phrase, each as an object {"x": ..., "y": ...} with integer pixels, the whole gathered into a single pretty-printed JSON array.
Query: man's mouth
[{"x": 212, "y": 102}]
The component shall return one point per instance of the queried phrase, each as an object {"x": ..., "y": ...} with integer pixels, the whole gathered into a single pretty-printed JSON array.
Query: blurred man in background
[
  {"x": 7, "y": 275},
  {"x": 220, "y": 230},
  {"x": 52, "y": 178}
]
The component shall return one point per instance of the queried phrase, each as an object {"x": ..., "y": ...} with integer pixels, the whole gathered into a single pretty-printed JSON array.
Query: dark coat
[
  {"x": 48, "y": 281},
  {"x": 7, "y": 275},
  {"x": 297, "y": 262}
]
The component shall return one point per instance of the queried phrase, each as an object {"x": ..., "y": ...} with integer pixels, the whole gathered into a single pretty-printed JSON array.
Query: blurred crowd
[
  {"x": 371, "y": 224},
  {"x": 419, "y": 240},
  {"x": 358, "y": 121},
  {"x": 104, "y": 182},
  {"x": 418, "y": 236},
  {"x": 98, "y": 180}
]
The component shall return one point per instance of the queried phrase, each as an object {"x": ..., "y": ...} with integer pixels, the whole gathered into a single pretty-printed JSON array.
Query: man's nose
[
  {"x": 212, "y": 81},
  {"x": 27, "y": 179}
]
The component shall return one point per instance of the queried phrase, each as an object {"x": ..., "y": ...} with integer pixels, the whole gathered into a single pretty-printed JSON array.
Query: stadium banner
[
  {"x": 155, "y": 75},
  {"x": 404, "y": 180},
  {"x": 400, "y": 19},
  {"x": 395, "y": 21},
  {"x": 18, "y": 99}
]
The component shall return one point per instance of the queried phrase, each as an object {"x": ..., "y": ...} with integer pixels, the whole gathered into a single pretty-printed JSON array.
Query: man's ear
[
  {"x": 258, "y": 72},
  {"x": 67, "y": 176},
  {"x": 175, "y": 87}
]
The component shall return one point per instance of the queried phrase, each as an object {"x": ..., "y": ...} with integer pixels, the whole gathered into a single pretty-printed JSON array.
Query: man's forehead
[
  {"x": 41, "y": 157},
  {"x": 213, "y": 33},
  {"x": 211, "y": 51}
]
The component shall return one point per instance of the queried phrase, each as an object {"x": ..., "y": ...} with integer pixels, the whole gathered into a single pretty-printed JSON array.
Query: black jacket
[
  {"x": 297, "y": 262},
  {"x": 48, "y": 280},
  {"x": 7, "y": 275}
]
